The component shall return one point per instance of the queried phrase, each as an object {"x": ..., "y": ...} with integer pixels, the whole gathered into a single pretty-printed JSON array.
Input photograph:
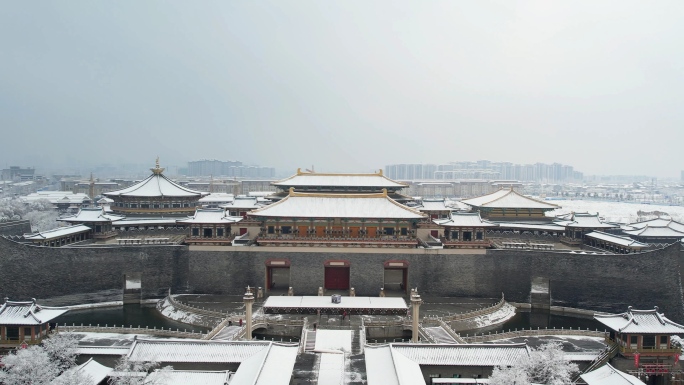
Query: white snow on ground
[
  {"x": 440, "y": 335},
  {"x": 620, "y": 212},
  {"x": 331, "y": 369},
  {"x": 107, "y": 339},
  {"x": 334, "y": 340},
  {"x": 502, "y": 315},
  {"x": 178, "y": 315},
  {"x": 95, "y": 305}
]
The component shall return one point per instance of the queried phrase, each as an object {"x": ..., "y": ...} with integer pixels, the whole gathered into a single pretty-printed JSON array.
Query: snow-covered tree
[
  {"x": 509, "y": 376},
  {"x": 73, "y": 377},
  {"x": 61, "y": 348},
  {"x": 545, "y": 365},
  {"x": 135, "y": 373},
  {"x": 30, "y": 366}
]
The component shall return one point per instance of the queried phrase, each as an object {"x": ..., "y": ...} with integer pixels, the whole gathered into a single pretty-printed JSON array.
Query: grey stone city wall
[
  {"x": 15, "y": 227},
  {"x": 28, "y": 271},
  {"x": 598, "y": 282}
]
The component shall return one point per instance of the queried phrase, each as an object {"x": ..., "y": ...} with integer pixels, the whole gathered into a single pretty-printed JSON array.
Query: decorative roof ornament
[{"x": 157, "y": 170}]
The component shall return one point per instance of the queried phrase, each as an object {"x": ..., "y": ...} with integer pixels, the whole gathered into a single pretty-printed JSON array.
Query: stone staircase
[{"x": 310, "y": 341}]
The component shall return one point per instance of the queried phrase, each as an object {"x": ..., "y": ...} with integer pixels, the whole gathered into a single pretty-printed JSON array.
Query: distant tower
[{"x": 91, "y": 190}]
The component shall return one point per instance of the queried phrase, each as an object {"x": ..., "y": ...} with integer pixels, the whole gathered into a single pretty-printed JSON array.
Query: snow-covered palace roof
[
  {"x": 640, "y": 322},
  {"x": 312, "y": 205},
  {"x": 91, "y": 215},
  {"x": 608, "y": 375},
  {"x": 156, "y": 185},
  {"x": 583, "y": 220},
  {"x": 210, "y": 216},
  {"x": 465, "y": 354},
  {"x": 188, "y": 377},
  {"x": 616, "y": 239},
  {"x": 200, "y": 351},
  {"x": 93, "y": 370},
  {"x": 508, "y": 199},
  {"x": 57, "y": 233},
  {"x": 28, "y": 313},
  {"x": 655, "y": 228},
  {"x": 386, "y": 366},
  {"x": 313, "y": 179},
  {"x": 464, "y": 220}
]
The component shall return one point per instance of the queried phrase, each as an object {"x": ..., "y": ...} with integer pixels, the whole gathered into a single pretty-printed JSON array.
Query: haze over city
[{"x": 347, "y": 86}]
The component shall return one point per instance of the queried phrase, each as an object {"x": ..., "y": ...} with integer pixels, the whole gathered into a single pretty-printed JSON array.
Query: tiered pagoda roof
[
  {"x": 155, "y": 186},
  {"x": 640, "y": 322},
  {"x": 312, "y": 205},
  {"x": 508, "y": 199}
]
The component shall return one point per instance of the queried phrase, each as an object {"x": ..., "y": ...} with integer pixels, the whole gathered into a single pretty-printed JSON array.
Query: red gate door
[{"x": 337, "y": 278}]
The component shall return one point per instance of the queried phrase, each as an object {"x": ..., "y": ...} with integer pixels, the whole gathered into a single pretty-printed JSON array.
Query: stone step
[{"x": 310, "y": 340}]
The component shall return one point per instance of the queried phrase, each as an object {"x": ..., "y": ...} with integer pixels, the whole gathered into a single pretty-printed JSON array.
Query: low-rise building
[
  {"x": 210, "y": 227},
  {"x": 509, "y": 205},
  {"x": 465, "y": 230},
  {"x": 26, "y": 322}
]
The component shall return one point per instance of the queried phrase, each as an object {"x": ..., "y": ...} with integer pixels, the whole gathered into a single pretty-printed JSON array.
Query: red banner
[{"x": 636, "y": 359}]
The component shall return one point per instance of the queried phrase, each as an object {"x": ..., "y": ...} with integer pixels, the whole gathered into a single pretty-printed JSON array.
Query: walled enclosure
[{"x": 598, "y": 282}]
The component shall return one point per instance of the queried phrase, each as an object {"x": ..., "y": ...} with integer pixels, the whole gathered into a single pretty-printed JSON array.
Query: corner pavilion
[
  {"x": 509, "y": 205},
  {"x": 25, "y": 322},
  {"x": 358, "y": 220},
  {"x": 646, "y": 333},
  {"x": 210, "y": 227},
  {"x": 465, "y": 230},
  {"x": 154, "y": 196}
]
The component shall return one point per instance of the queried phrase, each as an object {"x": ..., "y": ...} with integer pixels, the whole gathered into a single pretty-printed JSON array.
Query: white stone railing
[{"x": 533, "y": 333}]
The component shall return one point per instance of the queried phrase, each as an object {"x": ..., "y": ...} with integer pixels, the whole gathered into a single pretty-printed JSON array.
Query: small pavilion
[
  {"x": 509, "y": 205},
  {"x": 645, "y": 333},
  {"x": 465, "y": 230},
  {"x": 578, "y": 225},
  {"x": 210, "y": 227},
  {"x": 25, "y": 322},
  {"x": 97, "y": 219}
]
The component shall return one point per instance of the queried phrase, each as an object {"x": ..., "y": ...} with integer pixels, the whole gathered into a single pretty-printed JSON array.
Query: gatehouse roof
[
  {"x": 312, "y": 179},
  {"x": 312, "y": 205},
  {"x": 464, "y": 220},
  {"x": 28, "y": 313},
  {"x": 91, "y": 215},
  {"x": 508, "y": 199},
  {"x": 640, "y": 322}
]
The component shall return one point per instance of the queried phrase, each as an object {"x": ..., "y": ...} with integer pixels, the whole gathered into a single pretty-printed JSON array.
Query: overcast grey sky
[{"x": 344, "y": 85}]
